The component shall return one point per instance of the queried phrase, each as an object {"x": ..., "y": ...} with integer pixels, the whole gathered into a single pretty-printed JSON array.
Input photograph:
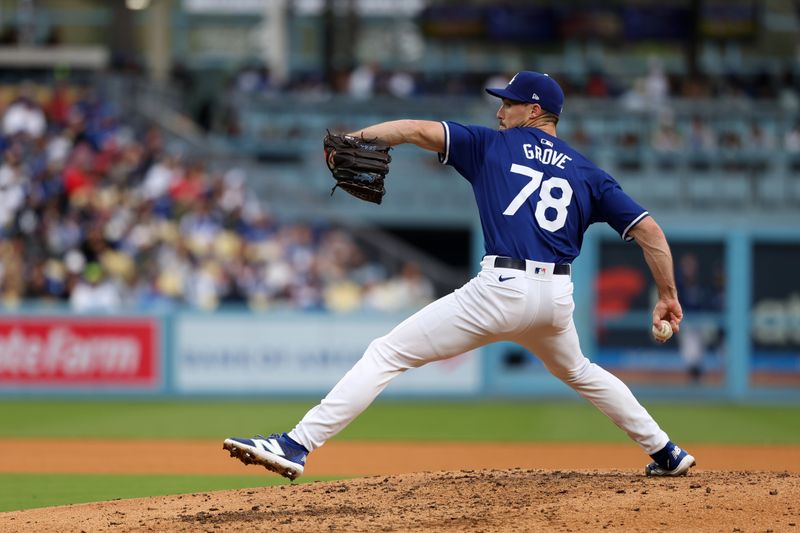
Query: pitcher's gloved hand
[{"x": 358, "y": 165}]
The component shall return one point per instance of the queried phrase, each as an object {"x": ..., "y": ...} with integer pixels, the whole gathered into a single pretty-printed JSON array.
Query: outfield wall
[{"x": 743, "y": 330}]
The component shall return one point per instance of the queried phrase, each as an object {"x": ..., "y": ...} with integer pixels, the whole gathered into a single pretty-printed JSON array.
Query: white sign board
[{"x": 301, "y": 353}]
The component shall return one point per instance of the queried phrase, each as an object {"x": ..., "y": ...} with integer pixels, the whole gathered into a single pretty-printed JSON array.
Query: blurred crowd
[
  {"x": 748, "y": 144},
  {"x": 743, "y": 141},
  {"x": 649, "y": 123},
  {"x": 102, "y": 216},
  {"x": 371, "y": 79}
]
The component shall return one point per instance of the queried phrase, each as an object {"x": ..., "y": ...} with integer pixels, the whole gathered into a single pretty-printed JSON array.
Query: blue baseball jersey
[{"x": 536, "y": 195}]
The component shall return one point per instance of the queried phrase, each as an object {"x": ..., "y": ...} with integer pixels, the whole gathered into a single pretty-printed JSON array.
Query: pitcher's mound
[{"x": 481, "y": 500}]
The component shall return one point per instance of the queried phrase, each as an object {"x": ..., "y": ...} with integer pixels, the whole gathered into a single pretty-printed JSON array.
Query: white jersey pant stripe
[{"x": 533, "y": 309}]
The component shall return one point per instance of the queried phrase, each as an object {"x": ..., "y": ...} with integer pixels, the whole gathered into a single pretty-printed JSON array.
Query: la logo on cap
[{"x": 532, "y": 87}]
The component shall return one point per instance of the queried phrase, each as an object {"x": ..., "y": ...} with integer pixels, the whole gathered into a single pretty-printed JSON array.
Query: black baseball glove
[{"x": 358, "y": 165}]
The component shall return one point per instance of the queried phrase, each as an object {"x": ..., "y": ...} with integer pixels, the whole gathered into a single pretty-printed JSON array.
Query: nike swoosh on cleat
[{"x": 501, "y": 278}]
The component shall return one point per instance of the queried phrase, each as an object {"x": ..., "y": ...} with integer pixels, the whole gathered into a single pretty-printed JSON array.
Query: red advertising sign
[{"x": 55, "y": 351}]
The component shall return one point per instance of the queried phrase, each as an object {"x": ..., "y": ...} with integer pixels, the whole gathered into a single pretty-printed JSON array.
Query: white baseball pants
[{"x": 532, "y": 308}]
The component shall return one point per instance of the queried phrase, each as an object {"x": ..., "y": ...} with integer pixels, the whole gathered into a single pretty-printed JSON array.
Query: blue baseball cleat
[
  {"x": 277, "y": 453},
  {"x": 671, "y": 460}
]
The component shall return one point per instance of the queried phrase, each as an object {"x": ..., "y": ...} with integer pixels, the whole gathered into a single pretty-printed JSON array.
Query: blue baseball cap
[{"x": 533, "y": 88}]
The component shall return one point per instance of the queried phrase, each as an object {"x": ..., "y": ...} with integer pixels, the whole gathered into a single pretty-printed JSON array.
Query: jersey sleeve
[
  {"x": 616, "y": 208},
  {"x": 464, "y": 147}
]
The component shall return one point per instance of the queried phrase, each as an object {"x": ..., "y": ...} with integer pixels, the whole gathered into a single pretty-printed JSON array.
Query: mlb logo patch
[{"x": 540, "y": 270}]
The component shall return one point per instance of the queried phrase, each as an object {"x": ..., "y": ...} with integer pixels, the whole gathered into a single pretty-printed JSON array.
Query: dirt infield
[
  {"x": 432, "y": 487},
  {"x": 468, "y": 500},
  {"x": 349, "y": 459}
]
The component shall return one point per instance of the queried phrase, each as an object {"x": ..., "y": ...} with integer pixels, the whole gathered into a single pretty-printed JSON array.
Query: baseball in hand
[{"x": 663, "y": 333}]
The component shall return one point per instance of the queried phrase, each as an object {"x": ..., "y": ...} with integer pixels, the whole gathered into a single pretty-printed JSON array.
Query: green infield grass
[
  {"x": 509, "y": 421},
  {"x": 26, "y": 491},
  {"x": 439, "y": 421}
]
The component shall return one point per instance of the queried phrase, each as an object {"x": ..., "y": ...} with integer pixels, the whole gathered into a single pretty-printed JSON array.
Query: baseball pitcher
[{"x": 536, "y": 197}]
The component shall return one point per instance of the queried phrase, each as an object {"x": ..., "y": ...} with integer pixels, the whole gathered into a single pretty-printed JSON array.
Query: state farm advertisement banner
[{"x": 69, "y": 351}]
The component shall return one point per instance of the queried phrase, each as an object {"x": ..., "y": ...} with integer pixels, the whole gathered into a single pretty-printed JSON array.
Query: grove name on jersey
[{"x": 548, "y": 156}]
